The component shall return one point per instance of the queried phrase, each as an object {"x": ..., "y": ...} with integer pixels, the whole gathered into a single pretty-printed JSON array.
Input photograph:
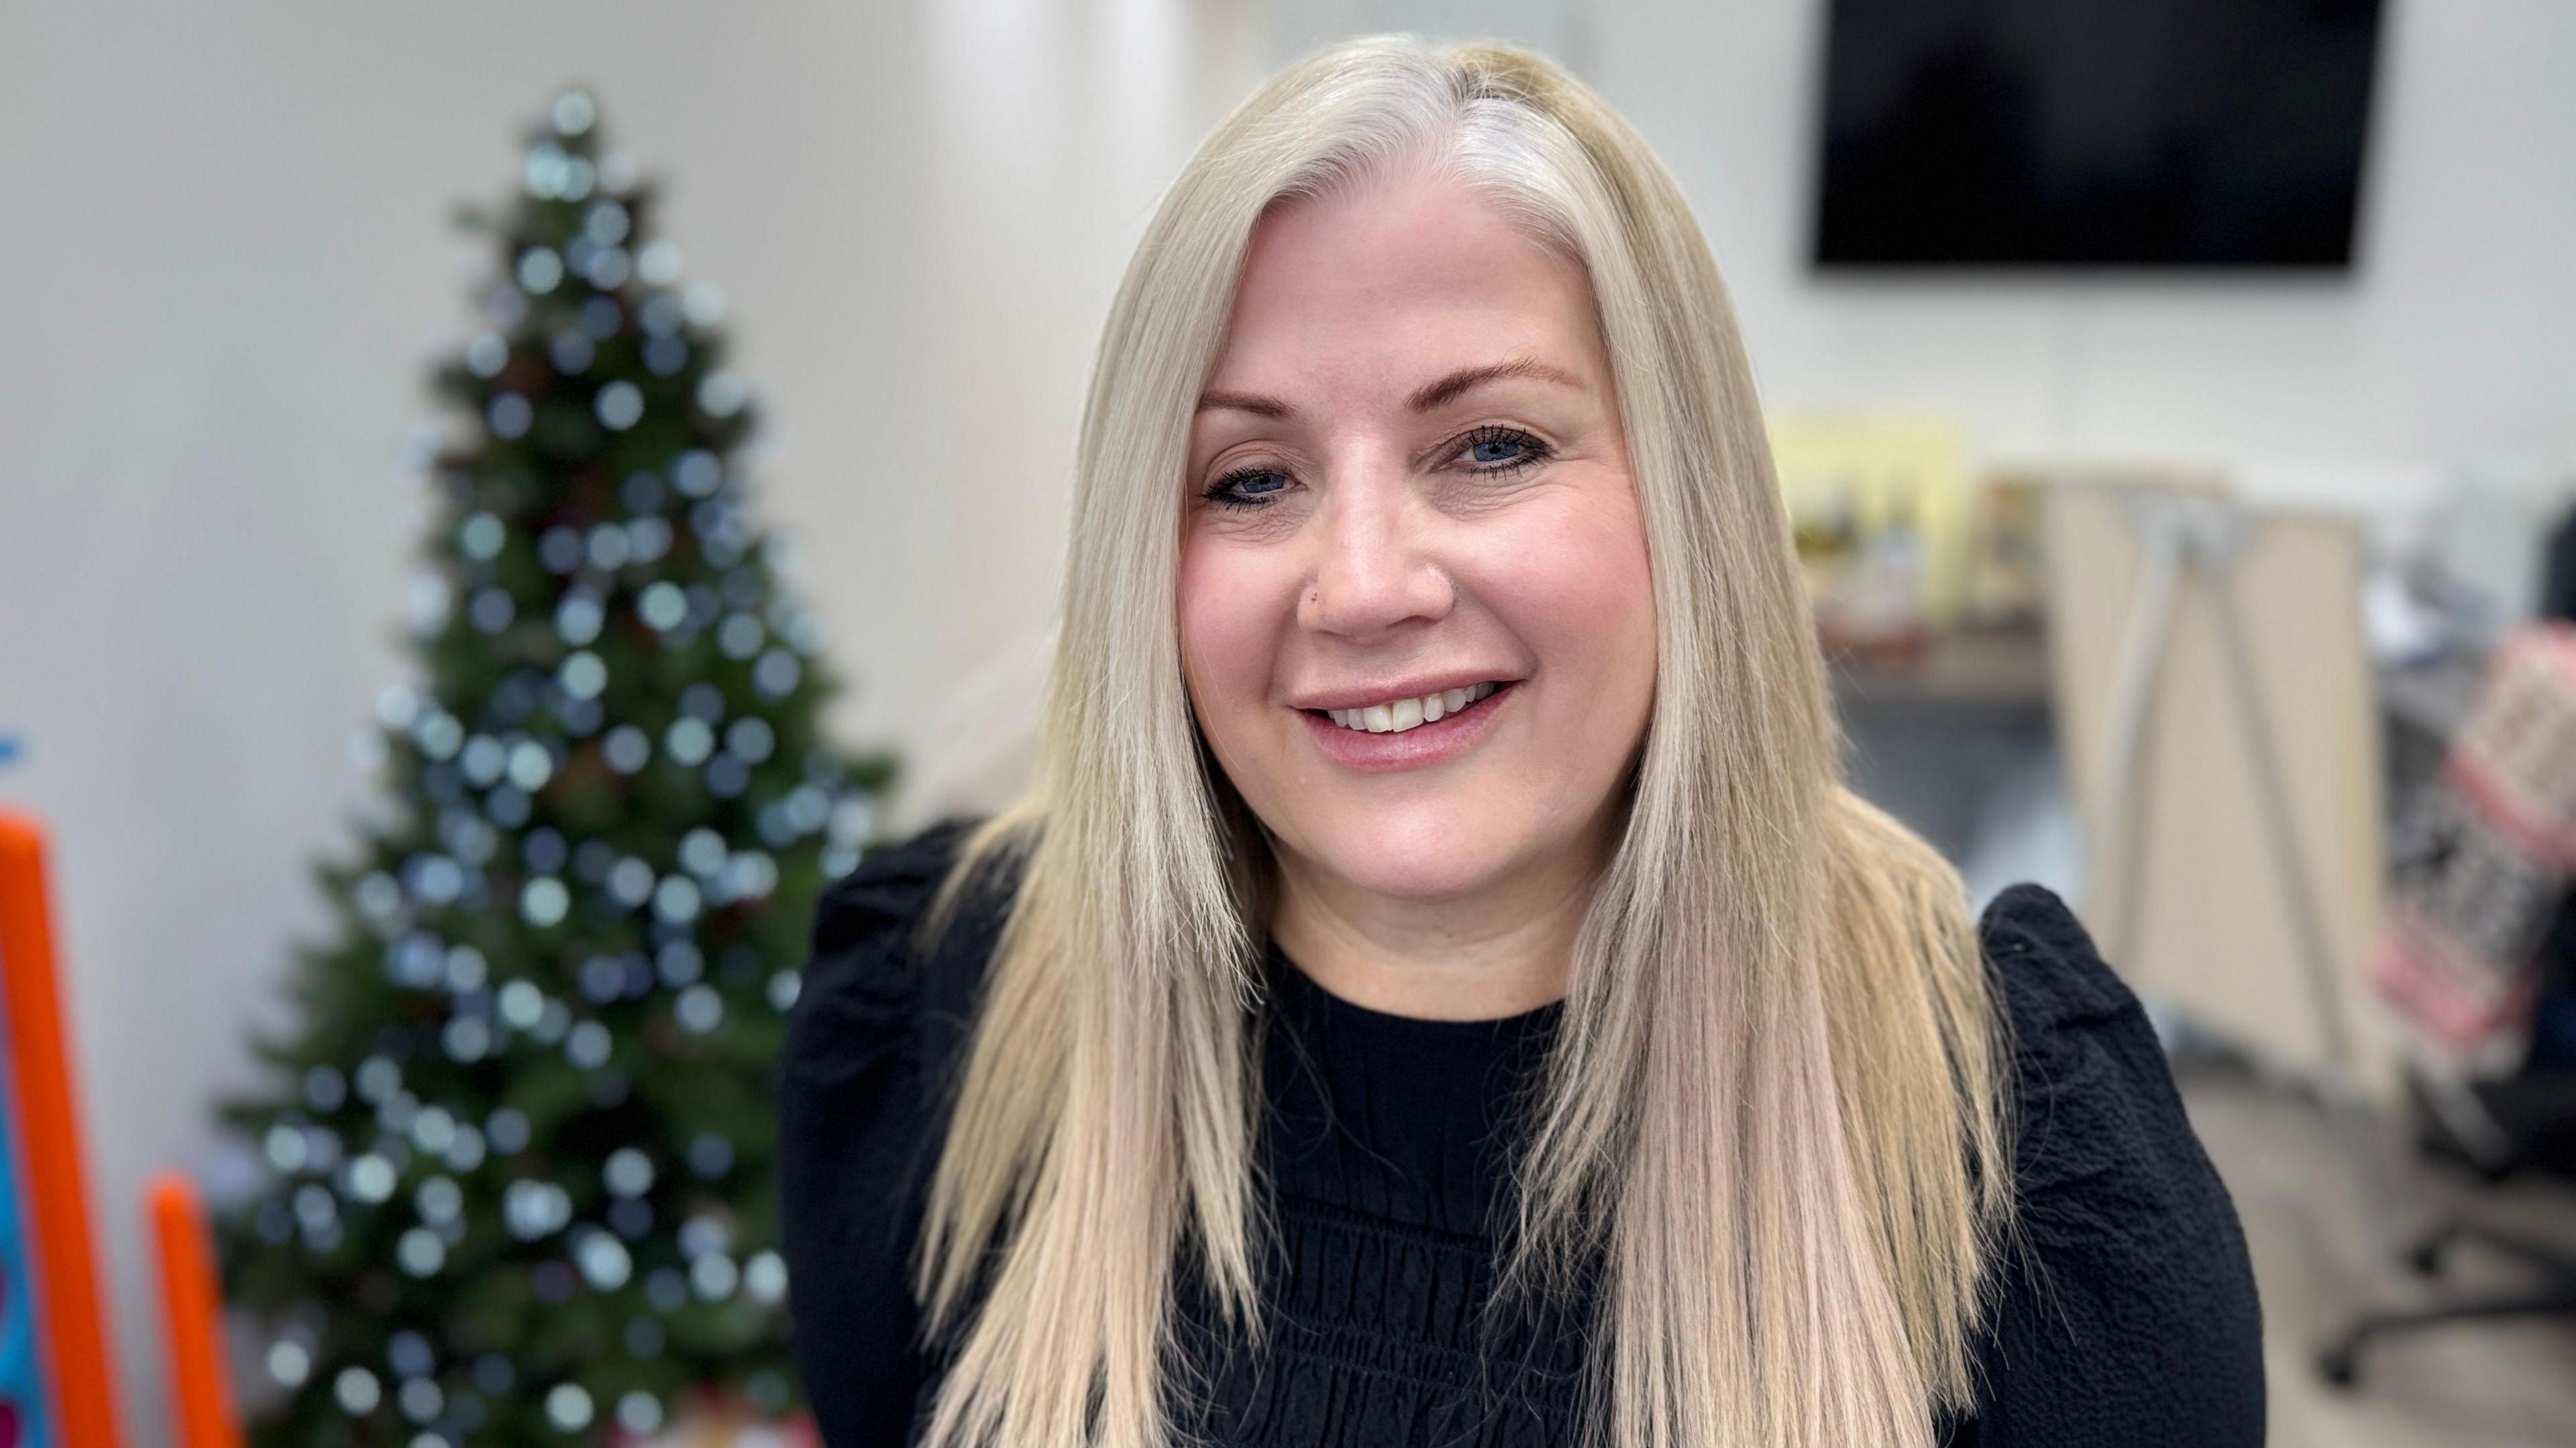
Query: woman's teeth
[{"x": 1396, "y": 716}]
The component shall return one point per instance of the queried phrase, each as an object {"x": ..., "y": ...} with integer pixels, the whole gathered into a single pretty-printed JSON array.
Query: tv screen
[{"x": 2094, "y": 132}]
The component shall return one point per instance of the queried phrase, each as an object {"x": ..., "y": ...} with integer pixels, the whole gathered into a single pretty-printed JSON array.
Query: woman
[{"x": 1438, "y": 990}]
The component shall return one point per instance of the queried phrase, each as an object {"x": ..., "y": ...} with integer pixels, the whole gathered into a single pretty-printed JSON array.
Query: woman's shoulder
[
  {"x": 869, "y": 984},
  {"x": 2051, "y": 970},
  {"x": 2095, "y": 1103},
  {"x": 2127, "y": 1310},
  {"x": 860, "y": 1117}
]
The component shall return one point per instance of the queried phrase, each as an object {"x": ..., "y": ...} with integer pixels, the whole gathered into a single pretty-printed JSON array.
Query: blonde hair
[{"x": 1771, "y": 1119}]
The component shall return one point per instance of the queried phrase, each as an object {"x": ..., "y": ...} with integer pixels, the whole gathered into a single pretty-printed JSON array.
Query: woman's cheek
[
  {"x": 1574, "y": 584},
  {"x": 1225, "y": 643}
]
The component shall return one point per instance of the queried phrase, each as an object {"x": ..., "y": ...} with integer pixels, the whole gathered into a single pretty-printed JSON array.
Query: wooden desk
[{"x": 1997, "y": 672}]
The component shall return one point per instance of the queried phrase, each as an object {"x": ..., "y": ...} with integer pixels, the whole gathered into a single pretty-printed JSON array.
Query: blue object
[{"x": 22, "y": 1384}]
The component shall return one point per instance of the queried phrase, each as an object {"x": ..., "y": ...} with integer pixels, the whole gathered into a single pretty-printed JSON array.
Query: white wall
[{"x": 227, "y": 265}]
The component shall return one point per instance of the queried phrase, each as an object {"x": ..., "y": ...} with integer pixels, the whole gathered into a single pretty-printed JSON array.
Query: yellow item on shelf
[{"x": 1849, "y": 480}]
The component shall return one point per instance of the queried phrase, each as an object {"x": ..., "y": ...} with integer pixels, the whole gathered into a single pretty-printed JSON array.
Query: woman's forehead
[
  {"x": 1385, "y": 292},
  {"x": 1428, "y": 240}
]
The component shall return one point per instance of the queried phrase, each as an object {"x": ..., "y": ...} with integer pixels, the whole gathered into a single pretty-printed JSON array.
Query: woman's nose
[{"x": 1374, "y": 568}]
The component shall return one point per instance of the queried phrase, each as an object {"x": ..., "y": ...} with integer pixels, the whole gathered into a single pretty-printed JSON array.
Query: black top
[{"x": 2131, "y": 1319}]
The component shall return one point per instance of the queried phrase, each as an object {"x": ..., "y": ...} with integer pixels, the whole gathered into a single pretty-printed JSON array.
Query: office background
[{"x": 230, "y": 266}]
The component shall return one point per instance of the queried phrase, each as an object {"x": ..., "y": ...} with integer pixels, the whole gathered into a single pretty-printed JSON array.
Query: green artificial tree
[{"x": 519, "y": 1166}]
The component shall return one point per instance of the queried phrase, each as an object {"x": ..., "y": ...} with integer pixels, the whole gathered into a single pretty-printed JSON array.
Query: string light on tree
[{"x": 521, "y": 1143}]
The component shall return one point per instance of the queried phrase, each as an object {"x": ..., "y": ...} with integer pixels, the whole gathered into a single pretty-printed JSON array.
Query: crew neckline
[{"x": 1296, "y": 984}]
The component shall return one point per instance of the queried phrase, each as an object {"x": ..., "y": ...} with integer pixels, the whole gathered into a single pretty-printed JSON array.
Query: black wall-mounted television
[{"x": 2130, "y": 133}]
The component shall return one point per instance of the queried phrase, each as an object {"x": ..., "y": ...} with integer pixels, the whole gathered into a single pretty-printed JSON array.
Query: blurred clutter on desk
[{"x": 2259, "y": 689}]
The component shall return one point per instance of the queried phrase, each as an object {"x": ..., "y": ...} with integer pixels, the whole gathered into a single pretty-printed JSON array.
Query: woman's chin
[{"x": 1402, "y": 871}]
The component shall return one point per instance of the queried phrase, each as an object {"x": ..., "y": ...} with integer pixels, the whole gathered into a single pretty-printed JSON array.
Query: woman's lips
[{"x": 1415, "y": 748}]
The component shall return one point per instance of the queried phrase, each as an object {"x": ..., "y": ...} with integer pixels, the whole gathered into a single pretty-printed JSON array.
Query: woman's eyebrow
[{"x": 1447, "y": 389}]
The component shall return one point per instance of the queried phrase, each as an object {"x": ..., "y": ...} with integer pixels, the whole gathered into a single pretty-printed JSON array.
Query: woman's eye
[
  {"x": 1502, "y": 449},
  {"x": 1246, "y": 488},
  {"x": 1487, "y": 450}
]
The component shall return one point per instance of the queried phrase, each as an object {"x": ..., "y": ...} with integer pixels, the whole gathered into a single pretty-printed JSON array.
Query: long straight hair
[{"x": 1770, "y": 1130}]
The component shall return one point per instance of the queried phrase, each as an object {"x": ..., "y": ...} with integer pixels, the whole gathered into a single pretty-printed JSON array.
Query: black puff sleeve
[
  {"x": 2128, "y": 1314},
  {"x": 858, "y": 1140}
]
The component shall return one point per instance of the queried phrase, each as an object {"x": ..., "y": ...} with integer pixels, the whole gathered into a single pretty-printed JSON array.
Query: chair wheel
[{"x": 2340, "y": 1364}]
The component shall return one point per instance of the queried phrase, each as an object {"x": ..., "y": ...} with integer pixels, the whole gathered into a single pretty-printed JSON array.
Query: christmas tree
[{"x": 520, "y": 1158}]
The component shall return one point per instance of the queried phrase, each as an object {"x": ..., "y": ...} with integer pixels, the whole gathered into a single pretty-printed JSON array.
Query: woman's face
[{"x": 1408, "y": 486}]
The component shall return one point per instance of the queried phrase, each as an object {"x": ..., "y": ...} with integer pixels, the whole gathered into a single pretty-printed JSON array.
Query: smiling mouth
[{"x": 1395, "y": 716}]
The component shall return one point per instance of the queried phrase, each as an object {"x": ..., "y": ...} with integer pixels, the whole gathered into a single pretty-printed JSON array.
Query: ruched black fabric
[{"x": 2128, "y": 1317}]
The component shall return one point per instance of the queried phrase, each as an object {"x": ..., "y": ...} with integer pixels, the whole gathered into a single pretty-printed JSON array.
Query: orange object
[
  {"x": 192, "y": 1306},
  {"x": 74, "y": 1328}
]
